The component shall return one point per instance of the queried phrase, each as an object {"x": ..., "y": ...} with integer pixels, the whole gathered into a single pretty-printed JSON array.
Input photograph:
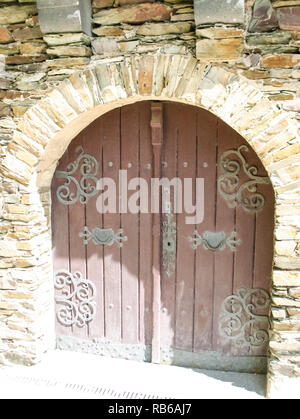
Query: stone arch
[{"x": 46, "y": 129}]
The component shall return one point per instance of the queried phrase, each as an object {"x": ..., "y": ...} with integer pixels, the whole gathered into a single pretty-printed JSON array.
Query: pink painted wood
[{"x": 187, "y": 318}]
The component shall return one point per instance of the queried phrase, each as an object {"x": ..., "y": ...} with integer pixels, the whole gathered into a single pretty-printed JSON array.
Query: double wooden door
[{"x": 148, "y": 286}]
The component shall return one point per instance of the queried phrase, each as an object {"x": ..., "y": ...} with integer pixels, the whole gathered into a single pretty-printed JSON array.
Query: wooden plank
[
  {"x": 60, "y": 235},
  {"x": 77, "y": 223},
  {"x": 224, "y": 260},
  {"x": 92, "y": 140},
  {"x": 204, "y": 278},
  {"x": 169, "y": 170},
  {"x": 157, "y": 142},
  {"x": 263, "y": 261},
  {"x": 112, "y": 254},
  {"x": 145, "y": 229},
  {"x": 130, "y": 224},
  {"x": 186, "y": 169},
  {"x": 245, "y": 229}
]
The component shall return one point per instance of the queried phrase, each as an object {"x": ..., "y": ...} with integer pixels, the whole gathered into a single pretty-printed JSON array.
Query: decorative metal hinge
[
  {"x": 104, "y": 236},
  {"x": 77, "y": 300},
  {"x": 215, "y": 241},
  {"x": 86, "y": 187},
  {"x": 238, "y": 319},
  {"x": 246, "y": 194}
]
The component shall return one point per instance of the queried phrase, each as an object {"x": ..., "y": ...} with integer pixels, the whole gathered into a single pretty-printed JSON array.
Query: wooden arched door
[{"x": 144, "y": 286}]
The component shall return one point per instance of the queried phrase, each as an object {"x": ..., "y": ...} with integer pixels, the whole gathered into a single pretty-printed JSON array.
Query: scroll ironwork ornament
[
  {"x": 230, "y": 183},
  {"x": 77, "y": 305},
  {"x": 86, "y": 187},
  {"x": 169, "y": 244},
  {"x": 215, "y": 241},
  {"x": 104, "y": 236},
  {"x": 239, "y": 319}
]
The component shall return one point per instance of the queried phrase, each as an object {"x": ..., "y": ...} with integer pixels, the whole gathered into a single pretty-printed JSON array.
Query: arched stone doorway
[
  {"x": 212, "y": 306},
  {"x": 44, "y": 133}
]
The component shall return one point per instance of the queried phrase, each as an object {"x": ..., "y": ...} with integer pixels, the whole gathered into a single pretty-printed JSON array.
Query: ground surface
[{"x": 70, "y": 375}]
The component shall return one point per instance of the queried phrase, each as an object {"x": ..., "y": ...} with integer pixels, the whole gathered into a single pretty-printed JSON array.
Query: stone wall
[
  {"x": 245, "y": 69},
  {"x": 265, "y": 49}
]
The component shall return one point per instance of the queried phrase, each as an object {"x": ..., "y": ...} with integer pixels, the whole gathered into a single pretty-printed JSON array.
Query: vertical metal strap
[{"x": 157, "y": 141}]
